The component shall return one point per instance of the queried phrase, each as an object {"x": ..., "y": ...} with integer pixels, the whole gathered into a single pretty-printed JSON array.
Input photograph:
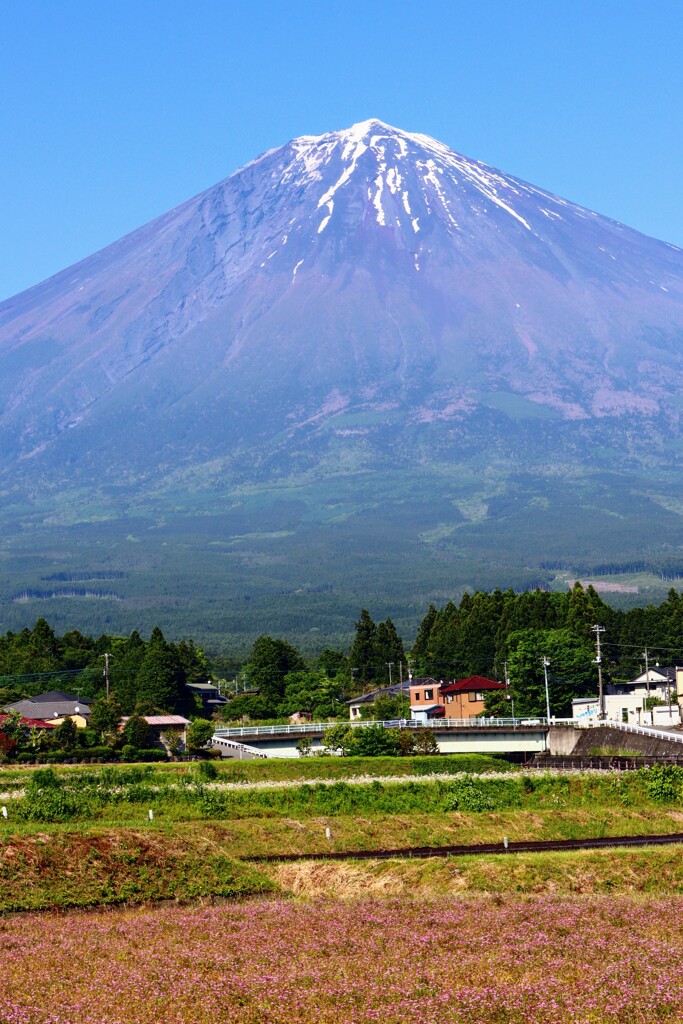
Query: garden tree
[
  {"x": 475, "y": 652},
  {"x": 420, "y": 651},
  {"x": 136, "y": 732},
  {"x": 199, "y": 733},
  {"x": 270, "y": 661},
  {"x": 405, "y": 742},
  {"x": 386, "y": 708},
  {"x": 127, "y": 655},
  {"x": 105, "y": 715},
  {"x": 13, "y": 735},
  {"x": 247, "y": 705},
  {"x": 585, "y": 609},
  {"x": 571, "y": 672},
  {"x": 425, "y": 742},
  {"x": 77, "y": 651},
  {"x": 312, "y": 692},
  {"x": 43, "y": 648},
  {"x": 362, "y": 653},
  {"x": 8, "y": 695},
  {"x": 193, "y": 662},
  {"x": 374, "y": 741},
  {"x": 338, "y": 739},
  {"x": 442, "y": 644},
  {"x": 333, "y": 663},
  {"x": 160, "y": 676},
  {"x": 65, "y": 736}
]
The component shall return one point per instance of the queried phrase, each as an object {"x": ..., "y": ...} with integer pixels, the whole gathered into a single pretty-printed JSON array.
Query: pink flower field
[{"x": 538, "y": 960}]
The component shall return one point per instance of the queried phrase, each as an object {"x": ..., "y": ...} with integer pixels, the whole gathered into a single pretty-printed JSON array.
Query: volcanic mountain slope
[
  {"x": 361, "y": 271},
  {"x": 348, "y": 307}
]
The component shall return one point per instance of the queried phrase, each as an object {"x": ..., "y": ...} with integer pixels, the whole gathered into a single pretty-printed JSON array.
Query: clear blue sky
[{"x": 113, "y": 111}]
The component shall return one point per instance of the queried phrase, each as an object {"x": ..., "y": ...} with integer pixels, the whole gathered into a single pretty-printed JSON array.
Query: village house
[
  {"x": 164, "y": 729},
  {"x": 652, "y": 698},
  {"x": 461, "y": 700},
  {"x": 357, "y": 704},
  {"x": 425, "y": 698},
  {"x": 53, "y": 706}
]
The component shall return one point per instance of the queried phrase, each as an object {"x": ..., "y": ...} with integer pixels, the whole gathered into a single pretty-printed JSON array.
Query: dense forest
[{"x": 486, "y": 633}]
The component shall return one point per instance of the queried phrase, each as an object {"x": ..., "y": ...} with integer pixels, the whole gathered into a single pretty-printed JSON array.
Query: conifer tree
[{"x": 362, "y": 653}]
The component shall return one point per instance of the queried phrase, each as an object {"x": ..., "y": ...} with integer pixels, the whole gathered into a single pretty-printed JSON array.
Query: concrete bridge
[
  {"x": 454, "y": 736},
  {"x": 458, "y": 736}
]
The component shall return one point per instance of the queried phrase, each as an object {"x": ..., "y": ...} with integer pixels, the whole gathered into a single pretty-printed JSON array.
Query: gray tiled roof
[
  {"x": 386, "y": 691},
  {"x": 48, "y": 709}
]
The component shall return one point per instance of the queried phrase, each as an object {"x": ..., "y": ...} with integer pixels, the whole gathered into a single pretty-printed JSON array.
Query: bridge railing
[
  {"x": 441, "y": 724},
  {"x": 642, "y": 730}
]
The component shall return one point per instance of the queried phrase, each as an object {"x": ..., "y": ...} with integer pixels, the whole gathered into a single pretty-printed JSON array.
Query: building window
[
  {"x": 417, "y": 695},
  {"x": 429, "y": 694},
  {"x": 472, "y": 696},
  {"x": 624, "y": 714}
]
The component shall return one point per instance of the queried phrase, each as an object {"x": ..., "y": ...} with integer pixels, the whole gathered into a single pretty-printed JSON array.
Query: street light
[{"x": 546, "y": 662}]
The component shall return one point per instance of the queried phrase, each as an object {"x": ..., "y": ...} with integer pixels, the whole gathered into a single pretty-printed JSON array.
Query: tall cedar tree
[
  {"x": 270, "y": 661},
  {"x": 160, "y": 678},
  {"x": 362, "y": 653}
]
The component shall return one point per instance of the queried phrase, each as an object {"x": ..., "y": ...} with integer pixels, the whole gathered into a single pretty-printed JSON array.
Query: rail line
[{"x": 540, "y": 846}]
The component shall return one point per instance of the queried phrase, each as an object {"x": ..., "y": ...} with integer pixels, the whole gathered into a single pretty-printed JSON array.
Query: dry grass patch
[{"x": 650, "y": 870}]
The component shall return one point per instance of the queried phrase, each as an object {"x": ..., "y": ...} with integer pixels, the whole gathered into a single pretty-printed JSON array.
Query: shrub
[
  {"x": 664, "y": 782},
  {"x": 207, "y": 771},
  {"x": 469, "y": 795}
]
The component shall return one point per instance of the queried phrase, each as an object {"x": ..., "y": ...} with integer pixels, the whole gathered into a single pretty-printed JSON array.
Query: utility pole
[
  {"x": 647, "y": 671},
  {"x": 546, "y": 662},
  {"x": 389, "y": 666},
  {"x": 507, "y": 684},
  {"x": 106, "y": 672},
  {"x": 598, "y": 661}
]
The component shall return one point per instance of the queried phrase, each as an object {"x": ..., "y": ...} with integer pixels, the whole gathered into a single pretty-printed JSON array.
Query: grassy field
[
  {"x": 83, "y": 836},
  {"x": 540, "y": 938}
]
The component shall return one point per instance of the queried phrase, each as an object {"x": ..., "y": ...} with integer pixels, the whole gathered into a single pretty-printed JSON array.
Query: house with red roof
[{"x": 462, "y": 699}]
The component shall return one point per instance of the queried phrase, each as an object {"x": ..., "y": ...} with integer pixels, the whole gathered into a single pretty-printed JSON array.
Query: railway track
[{"x": 542, "y": 846}]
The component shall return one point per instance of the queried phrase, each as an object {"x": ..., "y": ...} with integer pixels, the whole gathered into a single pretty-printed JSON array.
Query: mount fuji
[{"x": 362, "y": 359}]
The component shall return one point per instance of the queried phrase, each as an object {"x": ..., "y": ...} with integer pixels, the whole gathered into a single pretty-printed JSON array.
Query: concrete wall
[
  {"x": 606, "y": 738},
  {"x": 562, "y": 740}
]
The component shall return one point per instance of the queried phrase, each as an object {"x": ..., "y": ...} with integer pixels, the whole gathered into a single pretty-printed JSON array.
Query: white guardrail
[
  {"x": 396, "y": 723},
  {"x": 447, "y": 723},
  {"x": 641, "y": 730}
]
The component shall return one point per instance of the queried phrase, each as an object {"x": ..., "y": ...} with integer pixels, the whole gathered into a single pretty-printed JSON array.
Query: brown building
[
  {"x": 462, "y": 699},
  {"x": 425, "y": 698},
  {"x": 465, "y": 699}
]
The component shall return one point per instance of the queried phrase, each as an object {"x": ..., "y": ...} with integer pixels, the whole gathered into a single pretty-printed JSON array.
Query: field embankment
[
  {"x": 646, "y": 871},
  {"x": 111, "y": 835}
]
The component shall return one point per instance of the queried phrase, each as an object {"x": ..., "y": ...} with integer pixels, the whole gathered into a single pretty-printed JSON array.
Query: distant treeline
[
  {"x": 487, "y": 633},
  {"x": 143, "y": 674}
]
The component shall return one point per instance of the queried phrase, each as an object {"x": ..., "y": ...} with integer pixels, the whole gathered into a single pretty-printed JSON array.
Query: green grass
[{"x": 82, "y": 835}]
